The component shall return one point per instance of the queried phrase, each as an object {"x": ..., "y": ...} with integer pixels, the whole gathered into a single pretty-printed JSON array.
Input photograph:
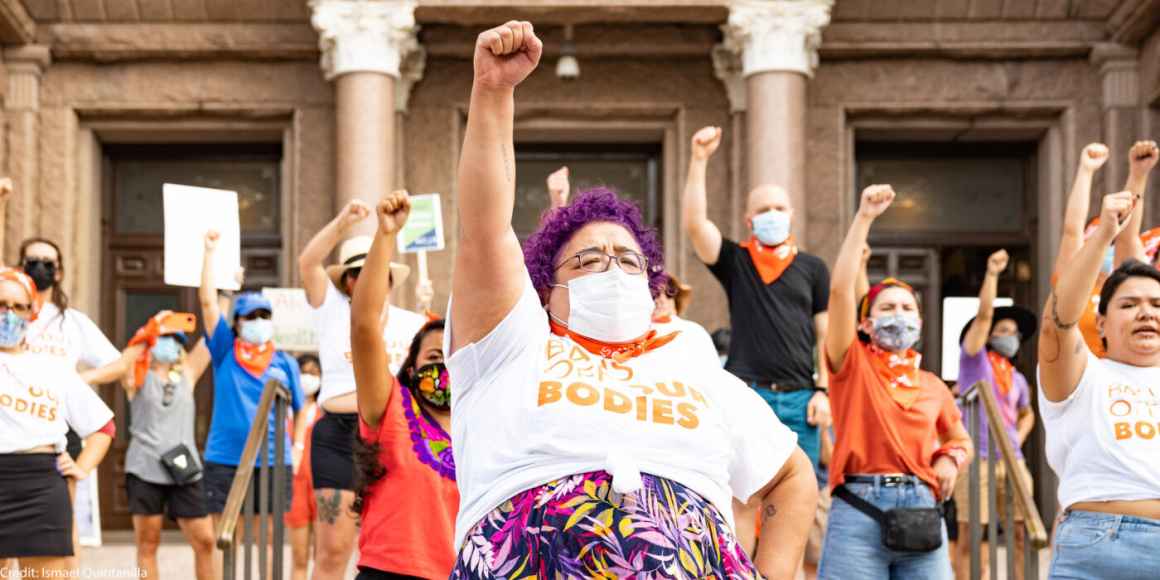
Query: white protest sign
[
  {"x": 294, "y": 328},
  {"x": 956, "y": 313},
  {"x": 424, "y": 228},
  {"x": 190, "y": 212}
]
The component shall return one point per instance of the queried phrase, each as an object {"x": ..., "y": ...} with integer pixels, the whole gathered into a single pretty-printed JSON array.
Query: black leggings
[{"x": 332, "y": 451}]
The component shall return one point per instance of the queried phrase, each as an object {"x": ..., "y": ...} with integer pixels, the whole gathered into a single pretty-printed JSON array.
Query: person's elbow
[
  {"x": 797, "y": 483},
  {"x": 363, "y": 326}
]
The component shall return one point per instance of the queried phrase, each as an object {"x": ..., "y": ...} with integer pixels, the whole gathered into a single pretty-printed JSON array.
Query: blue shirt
[{"x": 235, "y": 399}]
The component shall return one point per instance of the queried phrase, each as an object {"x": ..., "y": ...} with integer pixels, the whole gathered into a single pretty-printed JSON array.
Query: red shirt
[{"x": 408, "y": 519}]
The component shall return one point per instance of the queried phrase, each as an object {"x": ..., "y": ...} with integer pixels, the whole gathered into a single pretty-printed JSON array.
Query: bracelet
[{"x": 821, "y": 389}]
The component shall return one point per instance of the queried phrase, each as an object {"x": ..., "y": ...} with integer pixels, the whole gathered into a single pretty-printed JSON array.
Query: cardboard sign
[
  {"x": 956, "y": 313},
  {"x": 190, "y": 212},
  {"x": 294, "y": 328},
  {"x": 424, "y": 228}
]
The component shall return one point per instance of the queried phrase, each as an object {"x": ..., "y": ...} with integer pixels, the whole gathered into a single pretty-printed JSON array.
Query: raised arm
[
  {"x": 842, "y": 330},
  {"x": 114, "y": 370},
  {"x": 559, "y": 188},
  {"x": 1079, "y": 203},
  {"x": 705, "y": 235},
  {"x": 1062, "y": 351},
  {"x": 368, "y": 311},
  {"x": 980, "y": 329},
  {"x": 207, "y": 294},
  {"x": 1142, "y": 158},
  {"x": 489, "y": 265},
  {"x": 314, "y": 279},
  {"x": 862, "y": 286}
]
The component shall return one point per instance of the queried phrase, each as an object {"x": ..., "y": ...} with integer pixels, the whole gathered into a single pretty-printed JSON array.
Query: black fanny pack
[
  {"x": 181, "y": 464},
  {"x": 903, "y": 529}
]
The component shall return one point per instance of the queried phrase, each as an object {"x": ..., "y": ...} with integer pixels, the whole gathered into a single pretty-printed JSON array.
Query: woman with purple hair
[{"x": 586, "y": 444}]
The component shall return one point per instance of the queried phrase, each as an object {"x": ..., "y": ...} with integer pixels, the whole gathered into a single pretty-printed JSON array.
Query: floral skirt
[{"x": 577, "y": 527}]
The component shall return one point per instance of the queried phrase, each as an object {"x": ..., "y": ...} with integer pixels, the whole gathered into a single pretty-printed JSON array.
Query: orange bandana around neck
[
  {"x": 618, "y": 352},
  {"x": 900, "y": 372},
  {"x": 771, "y": 262},
  {"x": 255, "y": 358},
  {"x": 1003, "y": 370},
  {"x": 663, "y": 319}
]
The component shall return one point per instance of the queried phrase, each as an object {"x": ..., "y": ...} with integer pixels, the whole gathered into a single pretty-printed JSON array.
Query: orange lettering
[
  {"x": 1123, "y": 431},
  {"x": 42, "y": 410},
  {"x": 688, "y": 416},
  {"x": 6, "y": 400},
  {"x": 626, "y": 372},
  {"x": 616, "y": 402},
  {"x": 677, "y": 390},
  {"x": 589, "y": 396},
  {"x": 35, "y": 392},
  {"x": 554, "y": 349},
  {"x": 1145, "y": 430},
  {"x": 662, "y": 411},
  {"x": 549, "y": 392},
  {"x": 52, "y": 414},
  {"x": 1123, "y": 405},
  {"x": 642, "y": 408},
  {"x": 698, "y": 397},
  {"x": 21, "y": 405},
  {"x": 578, "y": 354}
]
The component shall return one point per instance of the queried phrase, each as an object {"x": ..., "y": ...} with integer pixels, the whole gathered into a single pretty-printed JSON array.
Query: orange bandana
[
  {"x": 255, "y": 358},
  {"x": 1004, "y": 372},
  {"x": 900, "y": 373},
  {"x": 663, "y": 319},
  {"x": 771, "y": 262},
  {"x": 617, "y": 352}
]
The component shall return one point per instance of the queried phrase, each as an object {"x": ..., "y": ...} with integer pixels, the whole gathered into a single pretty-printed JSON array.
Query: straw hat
[{"x": 353, "y": 254}]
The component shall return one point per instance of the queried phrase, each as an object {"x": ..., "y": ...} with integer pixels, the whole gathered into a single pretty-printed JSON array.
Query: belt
[
  {"x": 885, "y": 480},
  {"x": 777, "y": 388}
]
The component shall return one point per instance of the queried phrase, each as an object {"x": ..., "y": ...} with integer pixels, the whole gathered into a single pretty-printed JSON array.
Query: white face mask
[
  {"x": 610, "y": 306},
  {"x": 310, "y": 385}
]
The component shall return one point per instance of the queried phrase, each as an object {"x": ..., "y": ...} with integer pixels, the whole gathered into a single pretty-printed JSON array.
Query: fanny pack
[
  {"x": 903, "y": 529},
  {"x": 181, "y": 464}
]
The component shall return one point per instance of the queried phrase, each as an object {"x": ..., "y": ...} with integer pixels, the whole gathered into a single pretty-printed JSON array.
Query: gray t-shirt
[{"x": 161, "y": 416}]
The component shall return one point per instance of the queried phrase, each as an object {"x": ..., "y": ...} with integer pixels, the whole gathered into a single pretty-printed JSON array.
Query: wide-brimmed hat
[
  {"x": 353, "y": 254},
  {"x": 683, "y": 296},
  {"x": 1025, "y": 319}
]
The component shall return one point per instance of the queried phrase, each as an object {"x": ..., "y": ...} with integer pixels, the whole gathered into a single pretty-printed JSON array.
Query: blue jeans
[
  {"x": 792, "y": 409},
  {"x": 853, "y": 548},
  {"x": 1097, "y": 545}
]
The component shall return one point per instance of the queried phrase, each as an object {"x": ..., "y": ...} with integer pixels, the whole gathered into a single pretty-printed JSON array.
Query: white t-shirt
[
  {"x": 40, "y": 399},
  {"x": 332, "y": 319},
  {"x": 75, "y": 338},
  {"x": 695, "y": 336},
  {"x": 1104, "y": 440},
  {"x": 529, "y": 407}
]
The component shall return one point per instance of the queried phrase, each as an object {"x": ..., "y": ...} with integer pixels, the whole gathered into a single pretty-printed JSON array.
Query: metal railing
[
  {"x": 240, "y": 502},
  {"x": 980, "y": 397}
]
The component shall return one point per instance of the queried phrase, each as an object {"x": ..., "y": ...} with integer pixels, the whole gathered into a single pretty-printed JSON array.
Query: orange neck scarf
[
  {"x": 900, "y": 372},
  {"x": 771, "y": 261},
  {"x": 618, "y": 352},
  {"x": 255, "y": 358},
  {"x": 663, "y": 319},
  {"x": 1003, "y": 370}
]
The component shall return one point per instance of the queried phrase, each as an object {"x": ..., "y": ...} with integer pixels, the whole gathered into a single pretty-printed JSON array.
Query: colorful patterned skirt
[{"x": 577, "y": 527}]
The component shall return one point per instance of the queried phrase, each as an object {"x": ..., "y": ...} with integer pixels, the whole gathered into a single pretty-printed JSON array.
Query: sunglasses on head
[{"x": 255, "y": 315}]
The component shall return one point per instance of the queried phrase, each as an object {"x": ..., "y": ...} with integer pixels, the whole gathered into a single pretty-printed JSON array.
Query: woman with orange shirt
[{"x": 888, "y": 474}]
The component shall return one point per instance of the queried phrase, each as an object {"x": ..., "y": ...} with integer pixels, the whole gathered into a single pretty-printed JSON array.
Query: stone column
[
  {"x": 363, "y": 43},
  {"x": 25, "y": 65},
  {"x": 1118, "y": 67},
  {"x": 777, "y": 41}
]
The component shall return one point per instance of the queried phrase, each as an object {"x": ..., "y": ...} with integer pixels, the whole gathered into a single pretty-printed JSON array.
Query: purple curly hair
[{"x": 598, "y": 204}]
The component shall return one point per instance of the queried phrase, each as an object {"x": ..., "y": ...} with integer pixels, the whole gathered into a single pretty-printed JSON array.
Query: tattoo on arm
[
  {"x": 1055, "y": 315},
  {"x": 768, "y": 512}
]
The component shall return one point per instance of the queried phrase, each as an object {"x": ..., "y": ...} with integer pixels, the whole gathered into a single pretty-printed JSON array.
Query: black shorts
[
  {"x": 218, "y": 478},
  {"x": 36, "y": 516},
  {"x": 365, "y": 573},
  {"x": 332, "y": 451},
  {"x": 176, "y": 501}
]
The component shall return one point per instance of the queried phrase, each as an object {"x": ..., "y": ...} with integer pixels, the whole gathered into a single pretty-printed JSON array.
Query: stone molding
[
  {"x": 410, "y": 72},
  {"x": 1119, "y": 68},
  {"x": 364, "y": 35},
  {"x": 727, "y": 69},
  {"x": 25, "y": 65},
  {"x": 777, "y": 35}
]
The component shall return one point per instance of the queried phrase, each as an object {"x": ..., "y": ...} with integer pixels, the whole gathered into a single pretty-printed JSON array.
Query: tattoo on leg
[
  {"x": 768, "y": 513},
  {"x": 328, "y": 506}
]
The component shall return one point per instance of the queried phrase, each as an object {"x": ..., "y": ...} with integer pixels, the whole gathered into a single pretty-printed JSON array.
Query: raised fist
[
  {"x": 559, "y": 187},
  {"x": 392, "y": 211},
  {"x": 997, "y": 262},
  {"x": 705, "y": 142},
  {"x": 506, "y": 55},
  {"x": 1143, "y": 156},
  {"x": 1116, "y": 209},
  {"x": 211, "y": 240},
  {"x": 875, "y": 199},
  {"x": 6, "y": 188},
  {"x": 353, "y": 212},
  {"x": 1094, "y": 156}
]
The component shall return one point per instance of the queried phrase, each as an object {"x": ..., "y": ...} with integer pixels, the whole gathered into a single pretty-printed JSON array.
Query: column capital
[
  {"x": 777, "y": 35},
  {"x": 410, "y": 72},
  {"x": 727, "y": 69},
  {"x": 25, "y": 64},
  {"x": 1119, "y": 68},
  {"x": 364, "y": 35}
]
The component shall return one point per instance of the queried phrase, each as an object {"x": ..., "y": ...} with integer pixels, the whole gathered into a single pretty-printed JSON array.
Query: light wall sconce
[{"x": 568, "y": 68}]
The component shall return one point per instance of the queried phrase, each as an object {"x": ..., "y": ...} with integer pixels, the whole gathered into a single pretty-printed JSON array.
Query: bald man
[{"x": 777, "y": 299}]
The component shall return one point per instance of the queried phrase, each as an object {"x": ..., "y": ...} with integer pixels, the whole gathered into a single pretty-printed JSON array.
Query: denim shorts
[
  {"x": 1097, "y": 545},
  {"x": 791, "y": 409},
  {"x": 853, "y": 547}
]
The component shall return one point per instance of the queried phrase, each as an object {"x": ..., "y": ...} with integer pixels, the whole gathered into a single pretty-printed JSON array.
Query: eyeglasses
[
  {"x": 263, "y": 314},
  {"x": 17, "y": 307},
  {"x": 596, "y": 261}
]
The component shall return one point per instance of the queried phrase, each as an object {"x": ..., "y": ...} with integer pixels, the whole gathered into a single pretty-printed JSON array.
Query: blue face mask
[
  {"x": 1109, "y": 261},
  {"x": 258, "y": 331},
  {"x": 12, "y": 329},
  {"x": 897, "y": 332},
  {"x": 166, "y": 351},
  {"x": 771, "y": 227}
]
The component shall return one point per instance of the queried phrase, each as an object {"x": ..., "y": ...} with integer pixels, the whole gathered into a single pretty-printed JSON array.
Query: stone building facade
[{"x": 976, "y": 110}]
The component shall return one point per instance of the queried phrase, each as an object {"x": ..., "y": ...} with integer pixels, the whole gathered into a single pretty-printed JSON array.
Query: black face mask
[{"x": 42, "y": 272}]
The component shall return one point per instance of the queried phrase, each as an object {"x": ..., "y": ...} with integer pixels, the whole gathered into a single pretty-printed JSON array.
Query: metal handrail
[
  {"x": 1019, "y": 494},
  {"x": 274, "y": 394}
]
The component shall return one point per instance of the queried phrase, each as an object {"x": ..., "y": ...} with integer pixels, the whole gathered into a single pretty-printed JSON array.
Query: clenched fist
[
  {"x": 1115, "y": 211},
  {"x": 705, "y": 142},
  {"x": 352, "y": 213},
  {"x": 875, "y": 199},
  {"x": 559, "y": 187},
  {"x": 997, "y": 262},
  {"x": 506, "y": 55},
  {"x": 1143, "y": 156},
  {"x": 392, "y": 212},
  {"x": 1094, "y": 156}
]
